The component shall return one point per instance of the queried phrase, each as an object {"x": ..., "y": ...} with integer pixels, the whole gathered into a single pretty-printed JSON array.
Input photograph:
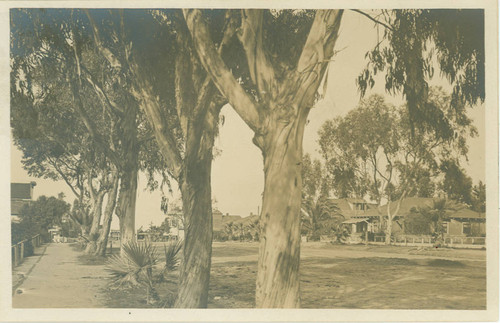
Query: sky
[{"x": 237, "y": 173}]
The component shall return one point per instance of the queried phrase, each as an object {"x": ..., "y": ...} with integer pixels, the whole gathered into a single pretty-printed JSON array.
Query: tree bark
[
  {"x": 128, "y": 174},
  {"x": 102, "y": 242},
  {"x": 126, "y": 207},
  {"x": 96, "y": 219},
  {"x": 197, "y": 251},
  {"x": 279, "y": 252},
  {"x": 388, "y": 233},
  {"x": 195, "y": 186}
]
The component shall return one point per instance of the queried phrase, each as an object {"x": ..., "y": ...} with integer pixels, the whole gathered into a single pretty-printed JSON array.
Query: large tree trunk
[
  {"x": 197, "y": 252},
  {"x": 126, "y": 207},
  {"x": 279, "y": 252},
  {"x": 102, "y": 242},
  {"x": 388, "y": 232},
  {"x": 195, "y": 186},
  {"x": 128, "y": 174},
  {"x": 96, "y": 220}
]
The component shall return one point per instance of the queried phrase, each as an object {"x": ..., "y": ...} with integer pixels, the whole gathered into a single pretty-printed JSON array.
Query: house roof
[
  {"x": 420, "y": 202},
  {"x": 467, "y": 214},
  {"x": 220, "y": 220},
  {"x": 355, "y": 220},
  {"x": 22, "y": 191},
  {"x": 407, "y": 205},
  {"x": 346, "y": 211}
]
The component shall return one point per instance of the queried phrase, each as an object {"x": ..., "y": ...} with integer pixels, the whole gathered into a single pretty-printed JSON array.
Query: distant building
[
  {"x": 20, "y": 194},
  {"x": 114, "y": 235},
  {"x": 220, "y": 219},
  {"x": 358, "y": 216},
  {"x": 465, "y": 223},
  {"x": 363, "y": 219},
  {"x": 175, "y": 226}
]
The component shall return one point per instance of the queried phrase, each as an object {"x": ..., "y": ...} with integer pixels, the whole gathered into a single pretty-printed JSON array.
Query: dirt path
[{"x": 59, "y": 281}]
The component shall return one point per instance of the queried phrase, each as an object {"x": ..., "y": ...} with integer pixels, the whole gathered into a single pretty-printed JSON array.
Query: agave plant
[{"x": 135, "y": 267}]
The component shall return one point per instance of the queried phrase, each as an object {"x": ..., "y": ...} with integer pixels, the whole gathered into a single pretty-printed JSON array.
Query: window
[
  {"x": 466, "y": 228},
  {"x": 445, "y": 227},
  {"x": 359, "y": 206}
]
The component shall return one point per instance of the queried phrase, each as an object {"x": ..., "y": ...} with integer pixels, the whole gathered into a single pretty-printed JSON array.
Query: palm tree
[
  {"x": 437, "y": 213},
  {"x": 254, "y": 229},
  {"x": 315, "y": 216},
  {"x": 135, "y": 266},
  {"x": 229, "y": 230}
]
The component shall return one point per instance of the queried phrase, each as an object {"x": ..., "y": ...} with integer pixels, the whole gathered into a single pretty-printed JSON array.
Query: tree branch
[
  {"x": 64, "y": 177},
  {"x": 250, "y": 35},
  {"x": 240, "y": 100},
  {"x": 373, "y": 19},
  {"x": 91, "y": 128},
  {"x": 100, "y": 92},
  {"x": 316, "y": 54},
  {"x": 107, "y": 54}
]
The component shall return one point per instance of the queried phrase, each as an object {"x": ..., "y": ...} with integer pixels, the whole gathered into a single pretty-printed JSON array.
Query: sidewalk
[{"x": 57, "y": 280}]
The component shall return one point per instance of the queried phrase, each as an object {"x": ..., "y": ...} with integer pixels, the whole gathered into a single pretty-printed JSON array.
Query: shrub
[{"x": 136, "y": 265}]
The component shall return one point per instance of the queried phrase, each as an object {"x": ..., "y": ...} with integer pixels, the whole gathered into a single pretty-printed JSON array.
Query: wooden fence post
[
  {"x": 22, "y": 250},
  {"x": 15, "y": 255}
]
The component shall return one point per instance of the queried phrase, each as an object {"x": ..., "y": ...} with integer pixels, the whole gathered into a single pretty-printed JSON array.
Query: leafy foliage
[
  {"x": 411, "y": 40},
  {"x": 457, "y": 184},
  {"x": 372, "y": 150},
  {"x": 319, "y": 217},
  {"x": 479, "y": 197},
  {"x": 434, "y": 215},
  {"x": 38, "y": 217},
  {"x": 136, "y": 264},
  {"x": 171, "y": 256}
]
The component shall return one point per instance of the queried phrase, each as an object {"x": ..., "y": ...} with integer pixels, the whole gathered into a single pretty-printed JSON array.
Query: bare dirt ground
[
  {"x": 371, "y": 277},
  {"x": 332, "y": 276}
]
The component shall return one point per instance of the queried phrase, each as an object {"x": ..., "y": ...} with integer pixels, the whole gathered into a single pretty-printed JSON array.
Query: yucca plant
[
  {"x": 171, "y": 258},
  {"x": 135, "y": 267}
]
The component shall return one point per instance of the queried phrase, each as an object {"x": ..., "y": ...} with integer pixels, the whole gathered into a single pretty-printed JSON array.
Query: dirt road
[{"x": 59, "y": 281}]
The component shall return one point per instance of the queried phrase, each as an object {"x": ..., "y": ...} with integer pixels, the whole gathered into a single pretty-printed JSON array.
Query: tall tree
[
  {"x": 456, "y": 183},
  {"x": 375, "y": 140},
  {"x": 38, "y": 217},
  {"x": 479, "y": 197},
  {"x": 282, "y": 88},
  {"x": 99, "y": 98},
  {"x": 275, "y": 101},
  {"x": 182, "y": 106}
]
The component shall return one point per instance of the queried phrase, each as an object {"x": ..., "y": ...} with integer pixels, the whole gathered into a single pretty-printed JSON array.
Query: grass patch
[{"x": 445, "y": 263}]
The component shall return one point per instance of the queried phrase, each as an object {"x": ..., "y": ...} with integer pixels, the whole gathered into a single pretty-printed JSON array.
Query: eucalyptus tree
[
  {"x": 182, "y": 105},
  {"x": 54, "y": 143},
  {"x": 278, "y": 89},
  {"x": 376, "y": 140},
  {"x": 280, "y": 76},
  {"x": 92, "y": 96}
]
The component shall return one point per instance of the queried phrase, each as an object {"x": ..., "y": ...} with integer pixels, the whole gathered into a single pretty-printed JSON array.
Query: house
[
  {"x": 465, "y": 223},
  {"x": 220, "y": 220},
  {"x": 20, "y": 194},
  {"x": 175, "y": 226},
  {"x": 359, "y": 217},
  {"x": 406, "y": 208},
  {"x": 114, "y": 235},
  {"x": 459, "y": 223}
]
